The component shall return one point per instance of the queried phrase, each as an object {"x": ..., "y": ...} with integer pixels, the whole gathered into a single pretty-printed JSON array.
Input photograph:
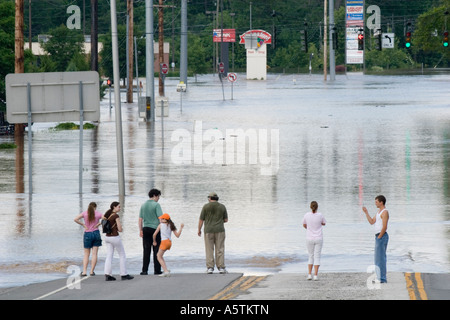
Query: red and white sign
[
  {"x": 164, "y": 68},
  {"x": 229, "y": 35},
  {"x": 221, "y": 67},
  {"x": 232, "y": 77},
  {"x": 261, "y": 34}
]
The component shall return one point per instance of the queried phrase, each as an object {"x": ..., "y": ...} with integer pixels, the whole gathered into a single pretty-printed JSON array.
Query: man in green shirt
[
  {"x": 213, "y": 216},
  {"x": 148, "y": 222}
]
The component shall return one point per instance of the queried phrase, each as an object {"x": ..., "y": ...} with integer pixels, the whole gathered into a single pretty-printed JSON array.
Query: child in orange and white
[{"x": 166, "y": 227}]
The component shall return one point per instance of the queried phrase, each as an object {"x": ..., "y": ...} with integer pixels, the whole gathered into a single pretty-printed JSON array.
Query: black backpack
[{"x": 106, "y": 225}]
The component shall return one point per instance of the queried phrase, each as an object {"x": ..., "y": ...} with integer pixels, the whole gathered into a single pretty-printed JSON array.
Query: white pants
[
  {"x": 314, "y": 251},
  {"x": 111, "y": 244}
]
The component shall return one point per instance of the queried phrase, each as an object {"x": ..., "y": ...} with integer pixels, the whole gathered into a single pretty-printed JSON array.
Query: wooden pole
[{"x": 19, "y": 128}]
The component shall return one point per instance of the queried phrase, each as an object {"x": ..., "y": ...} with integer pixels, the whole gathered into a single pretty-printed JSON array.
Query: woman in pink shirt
[
  {"x": 313, "y": 222},
  {"x": 90, "y": 220}
]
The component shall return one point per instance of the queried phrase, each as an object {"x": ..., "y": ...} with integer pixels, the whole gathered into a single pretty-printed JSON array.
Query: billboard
[
  {"x": 354, "y": 21},
  {"x": 229, "y": 35}
]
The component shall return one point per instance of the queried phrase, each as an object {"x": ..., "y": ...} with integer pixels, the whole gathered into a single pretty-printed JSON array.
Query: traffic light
[
  {"x": 361, "y": 41},
  {"x": 379, "y": 40},
  {"x": 334, "y": 36},
  {"x": 109, "y": 82},
  {"x": 408, "y": 39},
  {"x": 445, "y": 42},
  {"x": 304, "y": 40}
]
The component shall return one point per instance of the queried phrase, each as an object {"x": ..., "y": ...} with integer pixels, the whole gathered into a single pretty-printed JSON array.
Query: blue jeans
[{"x": 380, "y": 256}]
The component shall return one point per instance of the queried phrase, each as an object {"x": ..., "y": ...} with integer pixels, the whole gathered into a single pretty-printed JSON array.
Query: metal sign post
[
  {"x": 221, "y": 73},
  {"x": 232, "y": 77},
  {"x": 164, "y": 69}
]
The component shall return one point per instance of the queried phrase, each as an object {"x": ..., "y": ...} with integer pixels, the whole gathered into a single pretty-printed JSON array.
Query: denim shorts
[{"x": 92, "y": 239}]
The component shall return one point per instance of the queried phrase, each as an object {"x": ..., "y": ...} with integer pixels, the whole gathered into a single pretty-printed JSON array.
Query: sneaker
[
  {"x": 223, "y": 270},
  {"x": 210, "y": 271},
  {"x": 109, "y": 278},
  {"x": 127, "y": 277},
  {"x": 165, "y": 274},
  {"x": 144, "y": 273},
  {"x": 309, "y": 277},
  {"x": 315, "y": 278}
]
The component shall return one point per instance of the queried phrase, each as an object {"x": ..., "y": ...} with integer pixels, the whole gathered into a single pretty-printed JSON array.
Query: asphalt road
[
  {"x": 236, "y": 286},
  {"x": 181, "y": 286}
]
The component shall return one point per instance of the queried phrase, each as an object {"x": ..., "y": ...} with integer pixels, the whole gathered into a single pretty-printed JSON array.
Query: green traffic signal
[
  {"x": 408, "y": 39},
  {"x": 445, "y": 42}
]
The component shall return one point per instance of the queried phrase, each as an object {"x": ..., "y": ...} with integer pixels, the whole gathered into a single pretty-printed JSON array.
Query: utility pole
[
  {"x": 19, "y": 51},
  {"x": 18, "y": 47},
  {"x": 161, "y": 44},
  {"x": 130, "y": 50},
  {"x": 325, "y": 34},
  {"x": 149, "y": 58},
  {"x": 94, "y": 35},
  {"x": 30, "y": 40},
  {"x": 118, "y": 109},
  {"x": 19, "y": 128},
  {"x": 332, "y": 35},
  {"x": 183, "y": 44}
]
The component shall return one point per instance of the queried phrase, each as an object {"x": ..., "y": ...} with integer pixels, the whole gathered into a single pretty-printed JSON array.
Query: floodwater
[{"x": 340, "y": 143}]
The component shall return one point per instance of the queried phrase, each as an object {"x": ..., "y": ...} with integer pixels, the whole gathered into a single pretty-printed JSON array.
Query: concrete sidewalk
[{"x": 330, "y": 286}]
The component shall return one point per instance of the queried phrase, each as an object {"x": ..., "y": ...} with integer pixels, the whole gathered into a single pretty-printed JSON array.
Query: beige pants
[{"x": 215, "y": 242}]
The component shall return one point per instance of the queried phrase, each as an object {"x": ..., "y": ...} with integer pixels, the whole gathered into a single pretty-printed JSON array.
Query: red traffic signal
[
  {"x": 360, "y": 41},
  {"x": 109, "y": 82}
]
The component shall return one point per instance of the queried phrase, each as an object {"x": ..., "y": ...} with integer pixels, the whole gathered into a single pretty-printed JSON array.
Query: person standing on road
[
  {"x": 213, "y": 216},
  {"x": 165, "y": 228},
  {"x": 148, "y": 223},
  {"x": 313, "y": 222},
  {"x": 91, "y": 237},
  {"x": 380, "y": 223},
  {"x": 113, "y": 242}
]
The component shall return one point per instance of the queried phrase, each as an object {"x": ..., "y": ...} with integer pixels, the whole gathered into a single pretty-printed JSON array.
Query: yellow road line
[
  {"x": 237, "y": 287},
  {"x": 420, "y": 287},
  {"x": 410, "y": 286},
  {"x": 416, "y": 289}
]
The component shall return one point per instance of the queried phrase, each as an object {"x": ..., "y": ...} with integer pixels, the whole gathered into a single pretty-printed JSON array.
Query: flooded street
[{"x": 339, "y": 143}]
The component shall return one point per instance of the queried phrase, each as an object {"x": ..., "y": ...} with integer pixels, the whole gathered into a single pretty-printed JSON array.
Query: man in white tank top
[{"x": 380, "y": 223}]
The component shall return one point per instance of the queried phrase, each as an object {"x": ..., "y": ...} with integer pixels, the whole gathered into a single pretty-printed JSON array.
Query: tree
[
  {"x": 427, "y": 38},
  {"x": 65, "y": 48},
  {"x": 197, "y": 55},
  {"x": 6, "y": 44}
]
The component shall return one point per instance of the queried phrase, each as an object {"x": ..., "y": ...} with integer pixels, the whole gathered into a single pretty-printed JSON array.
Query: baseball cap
[
  {"x": 165, "y": 216},
  {"x": 212, "y": 194}
]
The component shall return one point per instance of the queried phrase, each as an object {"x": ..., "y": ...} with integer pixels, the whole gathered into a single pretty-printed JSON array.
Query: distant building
[{"x": 39, "y": 51}]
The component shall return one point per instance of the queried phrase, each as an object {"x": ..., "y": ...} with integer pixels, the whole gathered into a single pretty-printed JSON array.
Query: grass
[
  {"x": 7, "y": 145},
  {"x": 73, "y": 126}
]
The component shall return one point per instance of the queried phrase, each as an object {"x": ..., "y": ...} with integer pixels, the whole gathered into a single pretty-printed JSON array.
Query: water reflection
[{"x": 340, "y": 143}]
